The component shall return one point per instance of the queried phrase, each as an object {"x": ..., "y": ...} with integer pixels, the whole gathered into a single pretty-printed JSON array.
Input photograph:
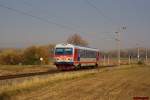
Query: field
[
  {"x": 113, "y": 83},
  {"x": 23, "y": 69}
]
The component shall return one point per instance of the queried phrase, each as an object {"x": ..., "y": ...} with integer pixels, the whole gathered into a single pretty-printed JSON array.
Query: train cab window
[
  {"x": 63, "y": 51},
  {"x": 68, "y": 51},
  {"x": 59, "y": 51}
]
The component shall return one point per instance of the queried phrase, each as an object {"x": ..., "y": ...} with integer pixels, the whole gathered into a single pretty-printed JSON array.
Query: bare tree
[{"x": 76, "y": 39}]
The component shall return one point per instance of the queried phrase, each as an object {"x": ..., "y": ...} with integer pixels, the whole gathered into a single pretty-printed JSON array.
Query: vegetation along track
[
  {"x": 28, "y": 74},
  {"x": 53, "y": 71}
]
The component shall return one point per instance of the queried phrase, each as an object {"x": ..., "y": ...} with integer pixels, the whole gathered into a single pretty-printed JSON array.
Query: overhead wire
[
  {"x": 101, "y": 13},
  {"x": 109, "y": 19},
  {"x": 38, "y": 18},
  {"x": 50, "y": 22},
  {"x": 104, "y": 15},
  {"x": 52, "y": 15}
]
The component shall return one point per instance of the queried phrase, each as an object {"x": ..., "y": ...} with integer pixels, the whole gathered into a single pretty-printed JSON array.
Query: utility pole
[
  {"x": 146, "y": 56},
  {"x": 108, "y": 60},
  {"x": 118, "y": 39},
  {"x": 104, "y": 60},
  {"x": 129, "y": 59},
  {"x": 118, "y": 46},
  {"x": 138, "y": 52}
]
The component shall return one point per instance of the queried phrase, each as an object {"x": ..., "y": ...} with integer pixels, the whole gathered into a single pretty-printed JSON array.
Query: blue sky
[{"x": 98, "y": 26}]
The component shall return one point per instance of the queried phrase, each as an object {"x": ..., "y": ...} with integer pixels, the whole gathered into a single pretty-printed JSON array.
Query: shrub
[
  {"x": 10, "y": 57},
  {"x": 33, "y": 54},
  {"x": 29, "y": 56},
  {"x": 140, "y": 62}
]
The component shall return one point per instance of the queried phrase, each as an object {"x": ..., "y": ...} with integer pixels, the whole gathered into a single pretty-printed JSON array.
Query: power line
[
  {"x": 110, "y": 20},
  {"x": 100, "y": 12},
  {"x": 54, "y": 16},
  {"x": 37, "y": 17}
]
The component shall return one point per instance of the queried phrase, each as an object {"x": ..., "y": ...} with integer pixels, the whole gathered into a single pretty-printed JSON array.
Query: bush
[
  {"x": 140, "y": 62},
  {"x": 29, "y": 56},
  {"x": 33, "y": 54},
  {"x": 11, "y": 57}
]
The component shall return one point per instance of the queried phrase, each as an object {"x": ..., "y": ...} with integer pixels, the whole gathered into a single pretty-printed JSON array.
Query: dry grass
[
  {"x": 111, "y": 84},
  {"x": 117, "y": 83},
  {"x": 21, "y": 69},
  {"x": 9, "y": 90}
]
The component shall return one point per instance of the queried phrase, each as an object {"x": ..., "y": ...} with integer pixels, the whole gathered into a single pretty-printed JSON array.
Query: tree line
[
  {"x": 32, "y": 55},
  {"x": 133, "y": 52}
]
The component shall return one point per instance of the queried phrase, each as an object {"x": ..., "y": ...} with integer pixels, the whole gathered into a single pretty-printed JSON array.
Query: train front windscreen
[{"x": 63, "y": 51}]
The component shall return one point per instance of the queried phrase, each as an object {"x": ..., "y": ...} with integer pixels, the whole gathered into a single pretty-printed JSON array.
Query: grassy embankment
[
  {"x": 12, "y": 90},
  {"x": 21, "y": 69}
]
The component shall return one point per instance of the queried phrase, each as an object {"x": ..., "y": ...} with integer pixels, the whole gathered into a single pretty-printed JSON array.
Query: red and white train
[{"x": 68, "y": 56}]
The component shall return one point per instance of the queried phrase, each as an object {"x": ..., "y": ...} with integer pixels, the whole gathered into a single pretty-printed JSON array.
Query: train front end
[{"x": 63, "y": 56}]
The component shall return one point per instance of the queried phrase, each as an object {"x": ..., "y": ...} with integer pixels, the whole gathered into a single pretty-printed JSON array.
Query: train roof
[{"x": 66, "y": 45}]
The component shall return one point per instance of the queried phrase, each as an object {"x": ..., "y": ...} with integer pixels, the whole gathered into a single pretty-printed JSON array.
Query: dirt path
[{"x": 117, "y": 84}]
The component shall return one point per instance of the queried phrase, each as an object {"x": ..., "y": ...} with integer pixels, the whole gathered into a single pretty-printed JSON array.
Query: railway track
[
  {"x": 27, "y": 74},
  {"x": 6, "y": 77}
]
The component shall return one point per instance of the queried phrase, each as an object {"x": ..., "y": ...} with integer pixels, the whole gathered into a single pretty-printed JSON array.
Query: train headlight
[
  {"x": 70, "y": 59},
  {"x": 57, "y": 59}
]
